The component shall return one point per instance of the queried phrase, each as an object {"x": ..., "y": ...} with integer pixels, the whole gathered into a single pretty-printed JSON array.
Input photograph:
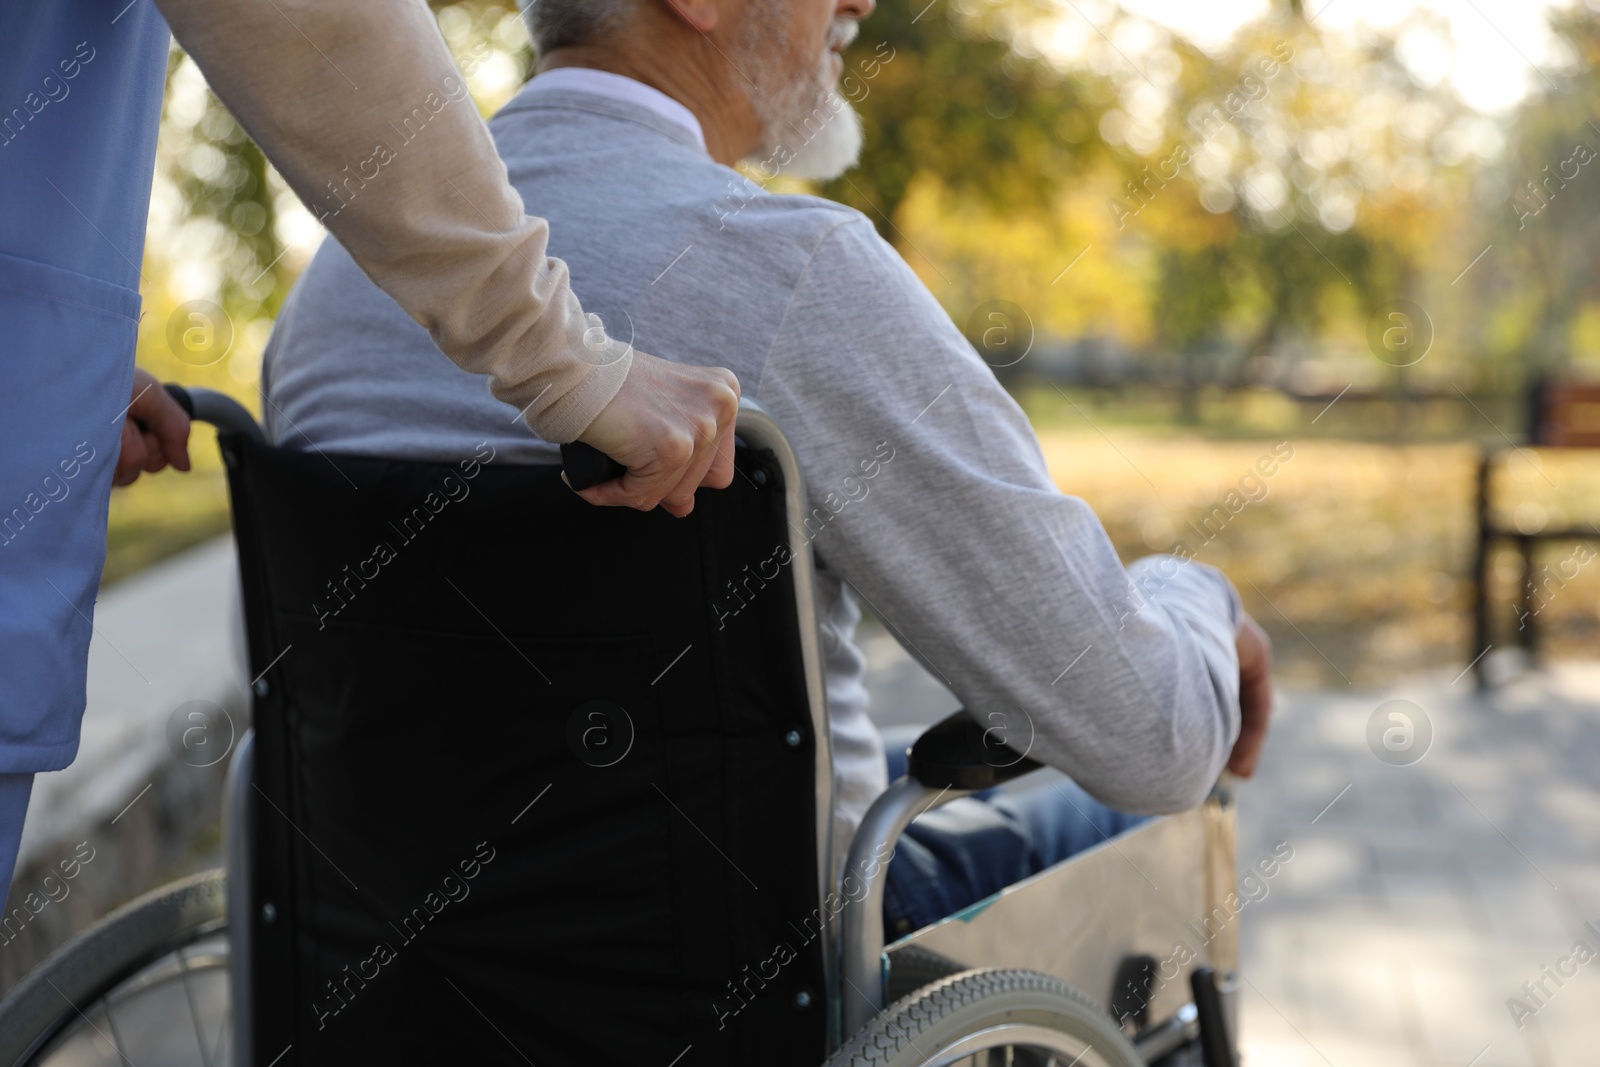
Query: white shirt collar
[{"x": 620, "y": 87}]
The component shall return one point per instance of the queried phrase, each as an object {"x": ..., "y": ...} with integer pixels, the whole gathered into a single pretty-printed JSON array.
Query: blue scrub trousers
[{"x": 80, "y": 103}]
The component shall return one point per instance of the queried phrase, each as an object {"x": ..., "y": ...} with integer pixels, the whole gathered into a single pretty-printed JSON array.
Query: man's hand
[
  {"x": 154, "y": 433},
  {"x": 671, "y": 425},
  {"x": 1255, "y": 697}
]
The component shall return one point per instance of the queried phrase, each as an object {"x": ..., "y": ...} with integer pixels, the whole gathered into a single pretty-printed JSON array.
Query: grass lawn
[
  {"x": 163, "y": 514},
  {"x": 1357, "y": 556}
]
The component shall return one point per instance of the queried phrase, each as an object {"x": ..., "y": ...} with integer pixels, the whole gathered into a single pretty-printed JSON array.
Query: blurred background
[
  {"x": 1187, "y": 236},
  {"x": 1176, "y": 231}
]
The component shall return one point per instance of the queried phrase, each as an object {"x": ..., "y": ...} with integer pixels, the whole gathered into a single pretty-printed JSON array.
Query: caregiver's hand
[
  {"x": 155, "y": 431},
  {"x": 671, "y": 425}
]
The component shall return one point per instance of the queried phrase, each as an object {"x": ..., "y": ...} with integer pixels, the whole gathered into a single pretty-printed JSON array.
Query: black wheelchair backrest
[{"x": 534, "y": 780}]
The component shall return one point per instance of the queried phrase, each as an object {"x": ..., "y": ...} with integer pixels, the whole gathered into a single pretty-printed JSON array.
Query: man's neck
[{"x": 730, "y": 127}]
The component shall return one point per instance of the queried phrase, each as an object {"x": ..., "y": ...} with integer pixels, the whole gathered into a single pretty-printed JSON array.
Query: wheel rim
[
  {"x": 1018, "y": 1045},
  {"x": 173, "y": 1012}
]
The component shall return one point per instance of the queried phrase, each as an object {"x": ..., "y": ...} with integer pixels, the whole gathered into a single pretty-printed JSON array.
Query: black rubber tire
[
  {"x": 107, "y": 953},
  {"x": 919, "y": 1026}
]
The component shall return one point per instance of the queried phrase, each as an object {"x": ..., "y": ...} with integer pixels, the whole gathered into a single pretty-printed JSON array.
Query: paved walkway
[
  {"x": 1423, "y": 892},
  {"x": 1426, "y": 895},
  {"x": 164, "y": 640},
  {"x": 143, "y": 797}
]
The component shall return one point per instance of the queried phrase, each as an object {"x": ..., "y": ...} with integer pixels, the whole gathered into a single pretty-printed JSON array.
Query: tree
[
  {"x": 1540, "y": 282},
  {"x": 960, "y": 104}
]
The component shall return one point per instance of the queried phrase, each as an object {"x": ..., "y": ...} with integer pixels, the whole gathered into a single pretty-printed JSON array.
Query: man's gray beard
[
  {"x": 829, "y": 141},
  {"x": 811, "y": 132}
]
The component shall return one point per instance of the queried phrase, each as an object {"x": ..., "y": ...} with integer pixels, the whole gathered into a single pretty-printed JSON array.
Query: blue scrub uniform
[{"x": 80, "y": 103}]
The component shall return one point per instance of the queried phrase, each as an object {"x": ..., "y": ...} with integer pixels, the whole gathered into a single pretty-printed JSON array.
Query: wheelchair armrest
[
  {"x": 961, "y": 753},
  {"x": 950, "y": 760}
]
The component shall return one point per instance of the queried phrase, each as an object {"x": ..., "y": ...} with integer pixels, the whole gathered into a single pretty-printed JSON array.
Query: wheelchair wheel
[
  {"x": 148, "y": 985},
  {"x": 989, "y": 1019}
]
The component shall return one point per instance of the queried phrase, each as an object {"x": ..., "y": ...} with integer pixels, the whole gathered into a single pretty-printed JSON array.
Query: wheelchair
[{"x": 522, "y": 788}]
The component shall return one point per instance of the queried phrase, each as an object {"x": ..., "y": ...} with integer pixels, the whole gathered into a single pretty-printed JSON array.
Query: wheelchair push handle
[
  {"x": 220, "y": 410},
  {"x": 586, "y": 465},
  {"x": 181, "y": 395}
]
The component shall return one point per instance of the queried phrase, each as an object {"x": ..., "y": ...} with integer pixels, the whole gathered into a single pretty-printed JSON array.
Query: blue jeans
[{"x": 971, "y": 848}]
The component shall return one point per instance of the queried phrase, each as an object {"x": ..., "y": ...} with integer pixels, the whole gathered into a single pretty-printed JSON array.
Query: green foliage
[
  {"x": 1542, "y": 215},
  {"x": 959, "y": 104},
  {"x": 1264, "y": 197}
]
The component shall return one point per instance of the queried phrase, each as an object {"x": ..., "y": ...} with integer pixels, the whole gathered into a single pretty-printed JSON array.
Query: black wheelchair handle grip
[
  {"x": 181, "y": 395},
  {"x": 586, "y": 465}
]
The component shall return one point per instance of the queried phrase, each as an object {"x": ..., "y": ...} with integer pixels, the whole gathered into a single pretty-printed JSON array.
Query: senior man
[{"x": 933, "y": 503}]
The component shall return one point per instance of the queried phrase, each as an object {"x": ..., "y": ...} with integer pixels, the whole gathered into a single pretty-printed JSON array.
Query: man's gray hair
[{"x": 559, "y": 23}]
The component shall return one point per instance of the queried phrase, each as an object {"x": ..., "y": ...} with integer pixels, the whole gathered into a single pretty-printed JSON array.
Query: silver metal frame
[
  {"x": 229, "y": 416},
  {"x": 761, "y": 430},
  {"x": 1148, "y": 891},
  {"x": 238, "y": 844},
  {"x": 864, "y": 985}
]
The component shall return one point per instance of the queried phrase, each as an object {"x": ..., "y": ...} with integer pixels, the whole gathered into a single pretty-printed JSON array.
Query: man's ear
[{"x": 701, "y": 14}]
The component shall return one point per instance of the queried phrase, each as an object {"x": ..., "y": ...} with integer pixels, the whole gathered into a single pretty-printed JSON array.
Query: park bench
[{"x": 1562, "y": 414}]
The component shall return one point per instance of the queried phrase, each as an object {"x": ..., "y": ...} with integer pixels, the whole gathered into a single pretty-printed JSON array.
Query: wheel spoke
[
  {"x": 117, "y": 1042},
  {"x": 224, "y": 1032},
  {"x": 194, "y": 1008}
]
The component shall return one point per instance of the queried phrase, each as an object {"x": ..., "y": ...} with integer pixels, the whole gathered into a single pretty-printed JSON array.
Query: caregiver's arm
[{"x": 360, "y": 106}]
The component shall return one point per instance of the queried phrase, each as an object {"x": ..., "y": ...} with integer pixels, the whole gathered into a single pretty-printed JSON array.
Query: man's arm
[
  {"x": 360, "y": 106},
  {"x": 931, "y": 498}
]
